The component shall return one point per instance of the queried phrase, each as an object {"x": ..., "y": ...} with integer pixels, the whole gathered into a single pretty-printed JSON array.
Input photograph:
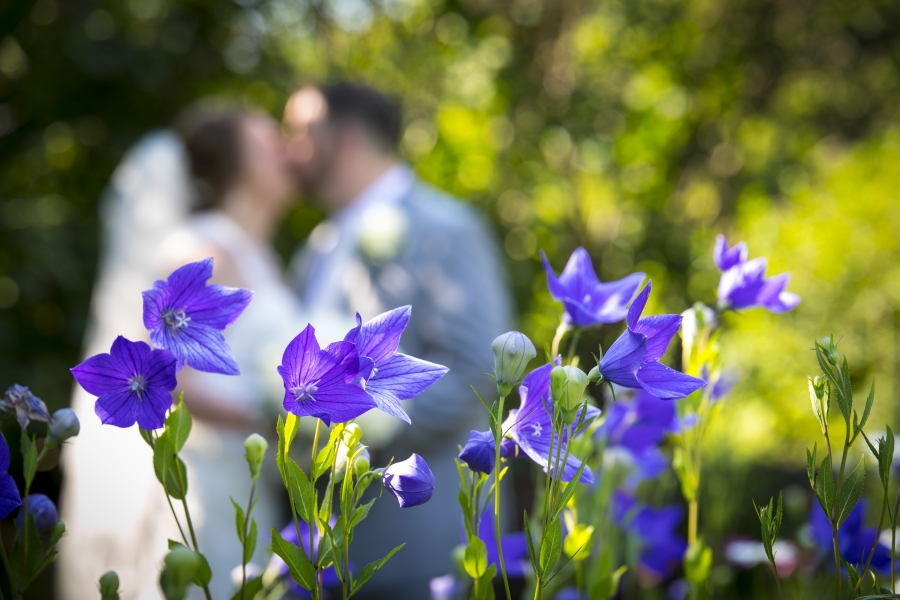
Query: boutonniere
[{"x": 383, "y": 232}]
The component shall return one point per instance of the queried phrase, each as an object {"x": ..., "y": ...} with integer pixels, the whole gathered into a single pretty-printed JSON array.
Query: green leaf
[
  {"x": 29, "y": 458},
  {"x": 23, "y": 564},
  {"x": 302, "y": 492},
  {"x": 370, "y": 569},
  {"x": 361, "y": 513},
  {"x": 325, "y": 456},
  {"x": 886, "y": 457},
  {"x": 551, "y": 546},
  {"x": 811, "y": 466},
  {"x": 176, "y": 480},
  {"x": 475, "y": 558},
  {"x": 607, "y": 586},
  {"x": 463, "y": 498},
  {"x": 571, "y": 488},
  {"x": 868, "y": 409},
  {"x": 485, "y": 584},
  {"x": 238, "y": 520},
  {"x": 204, "y": 573},
  {"x": 825, "y": 487},
  {"x": 147, "y": 435},
  {"x": 698, "y": 562},
  {"x": 852, "y": 572},
  {"x": 163, "y": 456},
  {"x": 301, "y": 570},
  {"x": 829, "y": 374},
  {"x": 251, "y": 589},
  {"x": 178, "y": 425},
  {"x": 291, "y": 425},
  {"x": 531, "y": 553},
  {"x": 851, "y": 490},
  {"x": 818, "y": 409},
  {"x": 251, "y": 542}
]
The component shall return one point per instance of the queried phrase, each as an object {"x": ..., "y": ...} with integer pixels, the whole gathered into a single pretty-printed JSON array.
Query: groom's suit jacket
[{"x": 416, "y": 245}]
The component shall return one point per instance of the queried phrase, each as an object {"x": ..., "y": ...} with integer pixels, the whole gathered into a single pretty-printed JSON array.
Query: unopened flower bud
[
  {"x": 362, "y": 462},
  {"x": 818, "y": 383},
  {"x": 829, "y": 347},
  {"x": 63, "y": 425},
  {"x": 512, "y": 353},
  {"x": 181, "y": 564},
  {"x": 42, "y": 510},
  {"x": 109, "y": 586},
  {"x": 255, "y": 447},
  {"x": 567, "y": 385}
]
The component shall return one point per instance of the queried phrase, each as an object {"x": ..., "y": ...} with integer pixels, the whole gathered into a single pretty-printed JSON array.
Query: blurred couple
[{"x": 219, "y": 187}]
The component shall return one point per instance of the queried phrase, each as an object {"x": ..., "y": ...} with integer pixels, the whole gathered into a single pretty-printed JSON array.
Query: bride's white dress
[{"x": 115, "y": 510}]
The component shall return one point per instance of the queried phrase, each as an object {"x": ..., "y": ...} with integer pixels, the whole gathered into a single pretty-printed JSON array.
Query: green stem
[
  {"x": 497, "y": 440},
  {"x": 244, "y": 545},
  {"x": 777, "y": 581},
  {"x": 314, "y": 520}
]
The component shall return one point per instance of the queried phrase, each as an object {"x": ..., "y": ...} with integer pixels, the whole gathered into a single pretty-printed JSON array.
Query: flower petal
[
  {"x": 621, "y": 362},
  {"x": 217, "y": 305},
  {"x": 666, "y": 383},
  {"x": 9, "y": 495},
  {"x": 638, "y": 306},
  {"x": 117, "y": 408},
  {"x": 659, "y": 329},
  {"x": 380, "y": 337},
  {"x": 201, "y": 347},
  {"x": 300, "y": 358},
  {"x": 405, "y": 376},
  {"x": 388, "y": 402},
  {"x": 186, "y": 281},
  {"x": 100, "y": 375},
  {"x": 726, "y": 258},
  {"x": 4, "y": 456}
]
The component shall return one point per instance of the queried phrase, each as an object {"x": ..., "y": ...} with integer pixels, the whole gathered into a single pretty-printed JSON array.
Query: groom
[{"x": 393, "y": 240}]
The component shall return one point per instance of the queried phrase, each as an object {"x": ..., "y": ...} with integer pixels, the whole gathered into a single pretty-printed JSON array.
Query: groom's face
[{"x": 311, "y": 141}]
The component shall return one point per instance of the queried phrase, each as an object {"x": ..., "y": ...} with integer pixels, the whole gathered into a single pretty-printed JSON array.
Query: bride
[{"x": 218, "y": 191}]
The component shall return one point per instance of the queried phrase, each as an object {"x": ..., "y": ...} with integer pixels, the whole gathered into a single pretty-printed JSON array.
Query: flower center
[
  {"x": 537, "y": 430},
  {"x": 175, "y": 319},
  {"x": 138, "y": 384},
  {"x": 304, "y": 392}
]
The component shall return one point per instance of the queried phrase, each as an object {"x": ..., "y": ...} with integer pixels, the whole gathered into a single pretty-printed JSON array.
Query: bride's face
[{"x": 265, "y": 168}]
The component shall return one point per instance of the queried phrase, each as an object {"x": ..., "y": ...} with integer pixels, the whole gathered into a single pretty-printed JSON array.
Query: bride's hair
[{"x": 214, "y": 148}]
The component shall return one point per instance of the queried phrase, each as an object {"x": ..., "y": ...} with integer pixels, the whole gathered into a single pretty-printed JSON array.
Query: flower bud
[
  {"x": 63, "y": 425},
  {"x": 411, "y": 481},
  {"x": 181, "y": 564},
  {"x": 512, "y": 353},
  {"x": 479, "y": 453},
  {"x": 818, "y": 383},
  {"x": 362, "y": 462},
  {"x": 109, "y": 586},
  {"x": 829, "y": 347},
  {"x": 42, "y": 510},
  {"x": 255, "y": 447},
  {"x": 567, "y": 385}
]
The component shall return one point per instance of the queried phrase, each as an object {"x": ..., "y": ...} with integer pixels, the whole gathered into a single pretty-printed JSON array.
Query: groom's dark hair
[{"x": 378, "y": 114}]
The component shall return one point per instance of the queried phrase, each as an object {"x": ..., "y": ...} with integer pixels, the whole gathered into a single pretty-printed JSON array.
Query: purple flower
[
  {"x": 479, "y": 452},
  {"x": 530, "y": 426},
  {"x": 662, "y": 549},
  {"x": 586, "y": 300},
  {"x": 133, "y": 383},
  {"x": 638, "y": 424},
  {"x": 854, "y": 539},
  {"x": 319, "y": 383},
  {"x": 386, "y": 375},
  {"x": 411, "y": 481},
  {"x": 186, "y": 317},
  {"x": 9, "y": 493},
  {"x": 42, "y": 510},
  {"x": 744, "y": 285},
  {"x": 445, "y": 587},
  {"x": 289, "y": 534},
  {"x": 633, "y": 360},
  {"x": 28, "y": 407}
]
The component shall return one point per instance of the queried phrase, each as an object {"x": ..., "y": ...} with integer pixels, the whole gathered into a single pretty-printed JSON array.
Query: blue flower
[
  {"x": 411, "y": 481},
  {"x": 386, "y": 375},
  {"x": 42, "y": 510},
  {"x": 586, "y": 300},
  {"x": 662, "y": 549},
  {"x": 854, "y": 539},
  {"x": 744, "y": 284},
  {"x": 479, "y": 453},
  {"x": 637, "y": 427},
  {"x": 319, "y": 383},
  {"x": 633, "y": 360},
  {"x": 133, "y": 383},
  {"x": 28, "y": 407},
  {"x": 186, "y": 317},
  {"x": 445, "y": 587},
  {"x": 9, "y": 493},
  {"x": 530, "y": 426}
]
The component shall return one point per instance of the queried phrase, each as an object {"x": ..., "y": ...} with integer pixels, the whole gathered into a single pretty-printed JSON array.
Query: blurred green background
[{"x": 637, "y": 128}]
